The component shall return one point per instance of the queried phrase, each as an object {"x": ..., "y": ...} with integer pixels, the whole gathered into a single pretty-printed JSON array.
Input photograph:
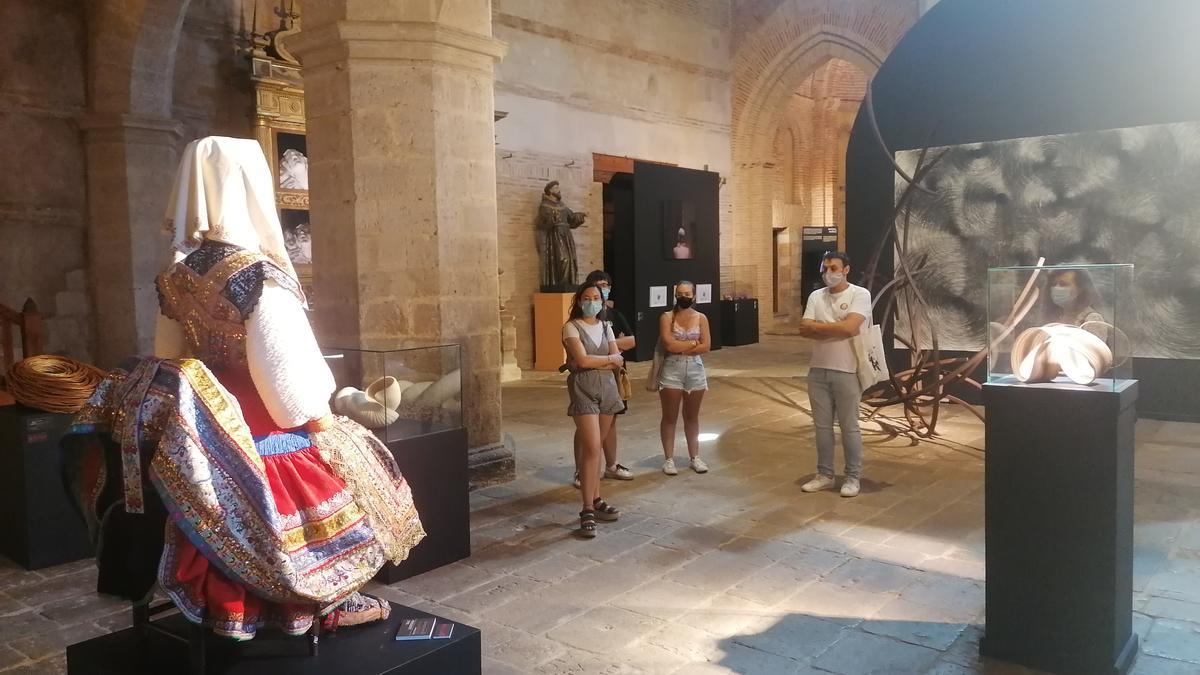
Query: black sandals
[
  {"x": 587, "y": 523},
  {"x": 605, "y": 511}
]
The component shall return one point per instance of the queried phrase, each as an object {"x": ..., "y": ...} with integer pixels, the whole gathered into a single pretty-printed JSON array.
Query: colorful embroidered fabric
[
  {"x": 262, "y": 525},
  {"x": 211, "y": 292}
]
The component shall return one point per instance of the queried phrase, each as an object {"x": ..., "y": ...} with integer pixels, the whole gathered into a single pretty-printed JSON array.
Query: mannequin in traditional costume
[{"x": 276, "y": 511}]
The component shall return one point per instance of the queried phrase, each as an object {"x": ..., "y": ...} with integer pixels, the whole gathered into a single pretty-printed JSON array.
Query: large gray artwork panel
[{"x": 1119, "y": 196}]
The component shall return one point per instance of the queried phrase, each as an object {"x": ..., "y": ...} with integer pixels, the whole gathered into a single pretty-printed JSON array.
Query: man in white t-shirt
[{"x": 835, "y": 314}]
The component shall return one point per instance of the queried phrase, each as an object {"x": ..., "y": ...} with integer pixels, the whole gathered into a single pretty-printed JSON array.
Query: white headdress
[{"x": 224, "y": 192}]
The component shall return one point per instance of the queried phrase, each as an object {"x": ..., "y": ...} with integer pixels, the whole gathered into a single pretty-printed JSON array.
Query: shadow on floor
[{"x": 806, "y": 643}]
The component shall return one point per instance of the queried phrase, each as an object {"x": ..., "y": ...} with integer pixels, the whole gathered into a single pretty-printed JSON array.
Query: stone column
[
  {"x": 131, "y": 163},
  {"x": 400, "y": 123}
]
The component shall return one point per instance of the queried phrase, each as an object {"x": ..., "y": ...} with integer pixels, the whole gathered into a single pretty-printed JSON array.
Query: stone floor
[{"x": 735, "y": 570}]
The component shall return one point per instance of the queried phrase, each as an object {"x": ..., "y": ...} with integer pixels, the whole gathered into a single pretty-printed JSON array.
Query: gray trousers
[{"x": 832, "y": 392}]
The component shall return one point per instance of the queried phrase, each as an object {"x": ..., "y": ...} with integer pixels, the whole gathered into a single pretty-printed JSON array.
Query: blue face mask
[
  {"x": 604, "y": 293},
  {"x": 591, "y": 307},
  {"x": 1062, "y": 295}
]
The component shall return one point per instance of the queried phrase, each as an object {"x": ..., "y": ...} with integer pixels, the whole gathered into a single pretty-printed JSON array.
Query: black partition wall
[
  {"x": 979, "y": 70},
  {"x": 665, "y": 230}
]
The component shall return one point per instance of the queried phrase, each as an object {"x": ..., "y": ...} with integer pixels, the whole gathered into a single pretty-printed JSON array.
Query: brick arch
[
  {"x": 767, "y": 107},
  {"x": 795, "y": 38},
  {"x": 772, "y": 57}
]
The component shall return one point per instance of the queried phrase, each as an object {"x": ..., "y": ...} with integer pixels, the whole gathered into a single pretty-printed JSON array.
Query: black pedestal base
[
  {"x": 1021, "y": 653},
  {"x": 739, "y": 322},
  {"x": 435, "y": 466},
  {"x": 362, "y": 650},
  {"x": 39, "y": 527},
  {"x": 1058, "y": 495}
]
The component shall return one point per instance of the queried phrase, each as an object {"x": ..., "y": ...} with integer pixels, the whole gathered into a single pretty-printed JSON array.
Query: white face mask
[
  {"x": 1062, "y": 295},
  {"x": 833, "y": 279}
]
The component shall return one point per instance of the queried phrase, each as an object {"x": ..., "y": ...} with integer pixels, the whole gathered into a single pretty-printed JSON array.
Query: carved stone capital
[{"x": 396, "y": 41}]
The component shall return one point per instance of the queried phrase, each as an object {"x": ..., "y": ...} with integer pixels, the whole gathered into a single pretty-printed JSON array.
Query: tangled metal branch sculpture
[{"x": 921, "y": 387}]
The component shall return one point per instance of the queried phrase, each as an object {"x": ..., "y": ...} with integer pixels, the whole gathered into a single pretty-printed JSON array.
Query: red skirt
[{"x": 306, "y": 493}]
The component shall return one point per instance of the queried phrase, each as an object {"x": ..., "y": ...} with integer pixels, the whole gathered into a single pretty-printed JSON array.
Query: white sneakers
[
  {"x": 850, "y": 488},
  {"x": 696, "y": 463},
  {"x": 618, "y": 472},
  {"x": 818, "y": 483}
]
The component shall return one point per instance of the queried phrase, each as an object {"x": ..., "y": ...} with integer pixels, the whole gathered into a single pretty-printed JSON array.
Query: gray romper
[{"x": 592, "y": 392}]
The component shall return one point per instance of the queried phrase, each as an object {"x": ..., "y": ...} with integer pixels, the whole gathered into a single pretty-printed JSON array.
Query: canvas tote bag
[
  {"x": 868, "y": 350},
  {"x": 656, "y": 366}
]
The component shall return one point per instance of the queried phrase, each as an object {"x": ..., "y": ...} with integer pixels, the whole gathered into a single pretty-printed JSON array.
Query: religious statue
[
  {"x": 293, "y": 170},
  {"x": 556, "y": 243}
]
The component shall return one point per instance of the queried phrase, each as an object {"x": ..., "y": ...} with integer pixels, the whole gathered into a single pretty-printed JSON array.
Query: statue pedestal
[{"x": 550, "y": 312}]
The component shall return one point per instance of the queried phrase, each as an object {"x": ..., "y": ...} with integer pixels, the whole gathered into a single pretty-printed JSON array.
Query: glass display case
[
  {"x": 739, "y": 282},
  {"x": 400, "y": 392},
  {"x": 739, "y": 305},
  {"x": 1064, "y": 324}
]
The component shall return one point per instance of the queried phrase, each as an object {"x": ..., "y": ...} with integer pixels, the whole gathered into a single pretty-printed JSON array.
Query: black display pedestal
[
  {"x": 1059, "y": 519},
  {"x": 360, "y": 650},
  {"x": 39, "y": 527},
  {"x": 739, "y": 322},
  {"x": 435, "y": 466}
]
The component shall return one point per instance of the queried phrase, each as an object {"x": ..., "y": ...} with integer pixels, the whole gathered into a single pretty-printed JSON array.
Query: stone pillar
[
  {"x": 131, "y": 163},
  {"x": 400, "y": 123}
]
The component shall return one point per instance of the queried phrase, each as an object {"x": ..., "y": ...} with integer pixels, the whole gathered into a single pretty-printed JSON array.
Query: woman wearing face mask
[
  {"x": 685, "y": 336},
  {"x": 625, "y": 341},
  {"x": 1072, "y": 298},
  {"x": 592, "y": 354}
]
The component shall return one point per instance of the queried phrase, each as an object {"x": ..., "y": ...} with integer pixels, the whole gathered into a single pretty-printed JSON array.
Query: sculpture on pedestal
[{"x": 556, "y": 242}]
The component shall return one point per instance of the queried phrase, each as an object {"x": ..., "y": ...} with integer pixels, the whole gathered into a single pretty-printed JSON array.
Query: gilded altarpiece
[{"x": 279, "y": 127}]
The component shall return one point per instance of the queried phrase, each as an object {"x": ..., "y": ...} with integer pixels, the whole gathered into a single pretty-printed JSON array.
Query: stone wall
[
  {"x": 647, "y": 79},
  {"x": 42, "y": 195},
  {"x": 213, "y": 95},
  {"x": 44, "y": 88}
]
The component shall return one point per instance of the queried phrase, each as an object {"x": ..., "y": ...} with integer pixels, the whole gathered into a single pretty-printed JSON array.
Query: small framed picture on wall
[{"x": 658, "y": 296}]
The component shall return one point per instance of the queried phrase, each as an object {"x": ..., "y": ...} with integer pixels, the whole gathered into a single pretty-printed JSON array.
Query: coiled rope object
[{"x": 53, "y": 383}]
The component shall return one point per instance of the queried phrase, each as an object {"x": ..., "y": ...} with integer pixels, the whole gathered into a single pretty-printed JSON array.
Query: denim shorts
[{"x": 683, "y": 372}]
